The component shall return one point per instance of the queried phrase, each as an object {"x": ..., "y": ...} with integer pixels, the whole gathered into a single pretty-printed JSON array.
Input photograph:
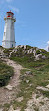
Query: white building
[
  {"x": 9, "y": 32},
  {"x": 48, "y": 48}
]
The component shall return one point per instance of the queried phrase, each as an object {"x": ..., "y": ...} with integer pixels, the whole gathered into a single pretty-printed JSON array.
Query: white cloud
[
  {"x": 9, "y": 0},
  {"x": 13, "y": 8},
  {"x": 48, "y": 42}
]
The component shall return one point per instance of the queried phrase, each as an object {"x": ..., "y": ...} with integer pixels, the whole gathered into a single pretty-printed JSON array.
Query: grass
[
  {"x": 7, "y": 51},
  {"x": 39, "y": 77},
  {"x": 6, "y": 107},
  {"x": 5, "y": 73}
]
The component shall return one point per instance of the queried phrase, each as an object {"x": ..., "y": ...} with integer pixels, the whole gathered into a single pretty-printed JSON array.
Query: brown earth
[{"x": 6, "y": 95}]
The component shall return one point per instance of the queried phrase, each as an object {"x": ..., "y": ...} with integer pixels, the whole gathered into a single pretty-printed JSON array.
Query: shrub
[{"x": 5, "y": 73}]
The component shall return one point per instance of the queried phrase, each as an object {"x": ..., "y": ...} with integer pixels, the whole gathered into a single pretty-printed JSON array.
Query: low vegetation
[
  {"x": 5, "y": 73},
  {"x": 39, "y": 77},
  {"x": 28, "y": 82}
]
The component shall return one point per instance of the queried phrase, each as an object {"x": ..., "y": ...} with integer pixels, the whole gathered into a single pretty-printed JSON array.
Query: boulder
[
  {"x": 28, "y": 51},
  {"x": 1, "y": 109},
  {"x": 34, "y": 52},
  {"x": 24, "y": 47},
  {"x": 20, "y": 99},
  {"x": 27, "y": 81},
  {"x": 47, "y": 86},
  {"x": 28, "y": 72},
  {"x": 43, "y": 57},
  {"x": 37, "y": 57},
  {"x": 9, "y": 87},
  {"x": 31, "y": 50}
]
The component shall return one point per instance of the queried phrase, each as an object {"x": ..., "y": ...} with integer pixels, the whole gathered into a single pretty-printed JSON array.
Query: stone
[
  {"x": 44, "y": 57},
  {"x": 11, "y": 109},
  {"x": 28, "y": 72},
  {"x": 1, "y": 109},
  {"x": 41, "y": 103},
  {"x": 30, "y": 85},
  {"x": 34, "y": 52},
  {"x": 9, "y": 87},
  {"x": 27, "y": 81},
  {"x": 31, "y": 51},
  {"x": 28, "y": 51},
  {"x": 21, "y": 46},
  {"x": 24, "y": 47},
  {"x": 20, "y": 99},
  {"x": 47, "y": 86},
  {"x": 42, "y": 88},
  {"x": 37, "y": 57},
  {"x": 16, "y": 47}
]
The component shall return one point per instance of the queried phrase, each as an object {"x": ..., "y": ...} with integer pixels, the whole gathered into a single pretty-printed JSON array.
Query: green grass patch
[
  {"x": 5, "y": 73},
  {"x": 39, "y": 77}
]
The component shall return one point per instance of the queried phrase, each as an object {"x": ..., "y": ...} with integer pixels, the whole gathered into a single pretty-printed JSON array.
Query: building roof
[{"x": 10, "y": 12}]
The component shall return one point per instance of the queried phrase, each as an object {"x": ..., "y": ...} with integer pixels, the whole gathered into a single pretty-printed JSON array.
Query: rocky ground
[{"x": 8, "y": 93}]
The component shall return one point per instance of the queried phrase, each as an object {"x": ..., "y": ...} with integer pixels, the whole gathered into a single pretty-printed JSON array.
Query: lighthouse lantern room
[{"x": 9, "y": 32}]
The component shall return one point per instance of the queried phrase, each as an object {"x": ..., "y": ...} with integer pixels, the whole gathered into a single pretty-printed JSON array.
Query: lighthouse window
[
  {"x": 8, "y": 14},
  {"x": 12, "y": 45},
  {"x": 4, "y": 33}
]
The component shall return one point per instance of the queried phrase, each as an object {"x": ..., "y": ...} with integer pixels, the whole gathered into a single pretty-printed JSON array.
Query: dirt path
[{"x": 6, "y": 96}]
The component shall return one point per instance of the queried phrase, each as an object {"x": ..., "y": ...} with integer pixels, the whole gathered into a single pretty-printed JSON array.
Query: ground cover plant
[
  {"x": 39, "y": 77},
  {"x": 5, "y": 73}
]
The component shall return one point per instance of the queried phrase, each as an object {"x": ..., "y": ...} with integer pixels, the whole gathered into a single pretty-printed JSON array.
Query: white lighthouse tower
[{"x": 9, "y": 32}]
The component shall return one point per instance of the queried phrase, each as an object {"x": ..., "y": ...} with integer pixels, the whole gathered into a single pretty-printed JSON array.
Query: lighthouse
[{"x": 9, "y": 31}]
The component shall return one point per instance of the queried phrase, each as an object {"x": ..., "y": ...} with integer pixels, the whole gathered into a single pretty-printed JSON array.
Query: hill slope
[{"x": 33, "y": 93}]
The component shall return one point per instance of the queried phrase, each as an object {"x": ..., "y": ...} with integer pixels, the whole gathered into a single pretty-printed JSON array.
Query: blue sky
[{"x": 32, "y": 21}]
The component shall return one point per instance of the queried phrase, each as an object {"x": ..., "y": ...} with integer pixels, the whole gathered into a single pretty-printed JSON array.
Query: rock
[
  {"x": 47, "y": 86},
  {"x": 42, "y": 88},
  {"x": 24, "y": 47},
  {"x": 34, "y": 52},
  {"x": 16, "y": 47},
  {"x": 28, "y": 109},
  {"x": 10, "y": 77},
  {"x": 44, "y": 57},
  {"x": 20, "y": 99},
  {"x": 30, "y": 85},
  {"x": 11, "y": 109},
  {"x": 19, "y": 46},
  {"x": 28, "y": 72},
  {"x": 28, "y": 51},
  {"x": 31, "y": 51},
  {"x": 27, "y": 81},
  {"x": 9, "y": 87},
  {"x": 39, "y": 104},
  {"x": 1, "y": 109},
  {"x": 37, "y": 57}
]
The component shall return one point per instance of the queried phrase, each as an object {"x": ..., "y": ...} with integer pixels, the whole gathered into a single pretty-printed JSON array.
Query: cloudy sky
[{"x": 32, "y": 21}]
